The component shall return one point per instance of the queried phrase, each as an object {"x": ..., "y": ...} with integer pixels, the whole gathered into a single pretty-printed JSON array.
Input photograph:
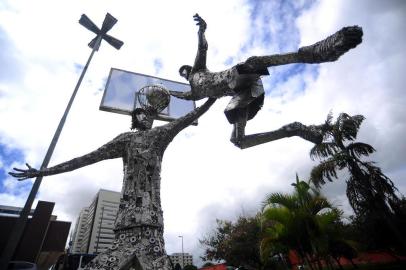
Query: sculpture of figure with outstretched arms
[{"x": 139, "y": 242}]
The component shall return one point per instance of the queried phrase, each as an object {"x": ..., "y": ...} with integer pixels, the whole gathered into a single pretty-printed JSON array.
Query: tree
[
  {"x": 236, "y": 243},
  {"x": 371, "y": 194},
  {"x": 304, "y": 221}
]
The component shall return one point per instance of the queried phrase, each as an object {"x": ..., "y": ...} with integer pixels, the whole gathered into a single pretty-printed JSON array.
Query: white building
[
  {"x": 94, "y": 228},
  {"x": 78, "y": 234},
  {"x": 182, "y": 259}
]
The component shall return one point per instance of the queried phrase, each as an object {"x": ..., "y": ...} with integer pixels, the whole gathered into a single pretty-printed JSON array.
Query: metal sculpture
[
  {"x": 244, "y": 84},
  {"x": 139, "y": 241}
]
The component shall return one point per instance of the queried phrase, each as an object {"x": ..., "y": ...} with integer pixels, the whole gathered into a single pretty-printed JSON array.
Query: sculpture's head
[
  {"x": 184, "y": 71},
  {"x": 141, "y": 119},
  {"x": 152, "y": 99}
]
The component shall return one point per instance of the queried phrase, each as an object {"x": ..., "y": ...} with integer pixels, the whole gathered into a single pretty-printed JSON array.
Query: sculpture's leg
[
  {"x": 326, "y": 50},
  {"x": 138, "y": 248},
  {"x": 238, "y": 132},
  {"x": 331, "y": 48},
  {"x": 309, "y": 133}
]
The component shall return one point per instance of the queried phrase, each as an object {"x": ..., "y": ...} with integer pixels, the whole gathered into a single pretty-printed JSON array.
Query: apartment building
[
  {"x": 94, "y": 226},
  {"x": 182, "y": 259},
  {"x": 78, "y": 234}
]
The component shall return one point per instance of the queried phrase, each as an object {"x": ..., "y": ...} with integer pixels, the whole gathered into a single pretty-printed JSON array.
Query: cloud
[{"x": 10, "y": 61}]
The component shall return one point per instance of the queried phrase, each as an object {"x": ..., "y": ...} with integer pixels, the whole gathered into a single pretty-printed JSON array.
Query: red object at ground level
[
  {"x": 215, "y": 267},
  {"x": 371, "y": 257}
]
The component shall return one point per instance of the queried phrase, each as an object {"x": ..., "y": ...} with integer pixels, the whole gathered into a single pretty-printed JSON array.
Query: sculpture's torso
[
  {"x": 140, "y": 204},
  {"x": 212, "y": 84},
  {"x": 224, "y": 83},
  {"x": 139, "y": 223}
]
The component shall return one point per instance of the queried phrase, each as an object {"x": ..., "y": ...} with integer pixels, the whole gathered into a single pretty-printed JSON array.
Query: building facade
[
  {"x": 79, "y": 232},
  {"x": 93, "y": 232},
  {"x": 44, "y": 237},
  {"x": 182, "y": 259}
]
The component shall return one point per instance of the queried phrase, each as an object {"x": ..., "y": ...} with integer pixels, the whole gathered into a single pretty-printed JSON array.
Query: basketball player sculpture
[
  {"x": 138, "y": 242},
  {"x": 244, "y": 84}
]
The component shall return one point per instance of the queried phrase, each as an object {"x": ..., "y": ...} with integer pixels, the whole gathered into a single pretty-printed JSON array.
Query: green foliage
[
  {"x": 366, "y": 181},
  {"x": 304, "y": 221},
  {"x": 237, "y": 243},
  {"x": 371, "y": 194}
]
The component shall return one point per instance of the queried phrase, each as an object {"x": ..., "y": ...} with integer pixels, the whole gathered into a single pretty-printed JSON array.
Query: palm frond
[
  {"x": 381, "y": 184},
  {"x": 280, "y": 199},
  {"x": 301, "y": 186},
  {"x": 330, "y": 217},
  {"x": 341, "y": 159},
  {"x": 318, "y": 204},
  {"x": 359, "y": 149},
  {"x": 323, "y": 150},
  {"x": 275, "y": 215},
  {"x": 326, "y": 128},
  {"x": 270, "y": 246},
  {"x": 337, "y": 127},
  {"x": 358, "y": 119},
  {"x": 325, "y": 170},
  {"x": 349, "y": 125}
]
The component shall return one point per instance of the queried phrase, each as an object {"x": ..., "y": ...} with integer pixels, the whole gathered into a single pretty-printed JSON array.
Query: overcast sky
[{"x": 204, "y": 177}]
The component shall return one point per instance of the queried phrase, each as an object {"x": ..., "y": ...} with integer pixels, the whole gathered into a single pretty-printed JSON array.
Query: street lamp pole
[
  {"x": 183, "y": 254},
  {"x": 21, "y": 222}
]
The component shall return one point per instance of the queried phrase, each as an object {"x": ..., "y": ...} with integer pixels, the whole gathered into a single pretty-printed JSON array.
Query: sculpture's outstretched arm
[
  {"x": 113, "y": 149},
  {"x": 200, "y": 60},
  {"x": 327, "y": 50},
  {"x": 309, "y": 133},
  {"x": 174, "y": 127}
]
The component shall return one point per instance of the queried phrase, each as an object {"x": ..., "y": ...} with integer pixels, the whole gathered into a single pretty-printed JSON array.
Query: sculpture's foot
[
  {"x": 331, "y": 48},
  {"x": 308, "y": 133}
]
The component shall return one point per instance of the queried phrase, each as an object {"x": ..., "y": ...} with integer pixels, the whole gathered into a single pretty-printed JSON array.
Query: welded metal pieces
[
  {"x": 243, "y": 82},
  {"x": 139, "y": 242},
  {"x": 137, "y": 248},
  {"x": 139, "y": 225}
]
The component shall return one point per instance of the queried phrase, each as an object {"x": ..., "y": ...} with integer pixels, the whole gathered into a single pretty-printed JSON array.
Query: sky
[{"x": 204, "y": 176}]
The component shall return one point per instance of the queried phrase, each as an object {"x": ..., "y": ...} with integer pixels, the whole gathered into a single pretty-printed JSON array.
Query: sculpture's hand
[
  {"x": 331, "y": 48},
  {"x": 21, "y": 174},
  {"x": 200, "y": 22}
]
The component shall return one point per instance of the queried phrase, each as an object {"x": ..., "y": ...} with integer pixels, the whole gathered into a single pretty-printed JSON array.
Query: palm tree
[
  {"x": 369, "y": 191},
  {"x": 297, "y": 222}
]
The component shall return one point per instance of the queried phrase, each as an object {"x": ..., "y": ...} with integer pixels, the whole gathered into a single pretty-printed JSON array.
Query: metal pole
[
  {"x": 16, "y": 234},
  {"x": 183, "y": 258}
]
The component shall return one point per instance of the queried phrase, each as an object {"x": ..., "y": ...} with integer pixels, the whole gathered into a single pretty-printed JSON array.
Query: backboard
[{"x": 122, "y": 86}]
